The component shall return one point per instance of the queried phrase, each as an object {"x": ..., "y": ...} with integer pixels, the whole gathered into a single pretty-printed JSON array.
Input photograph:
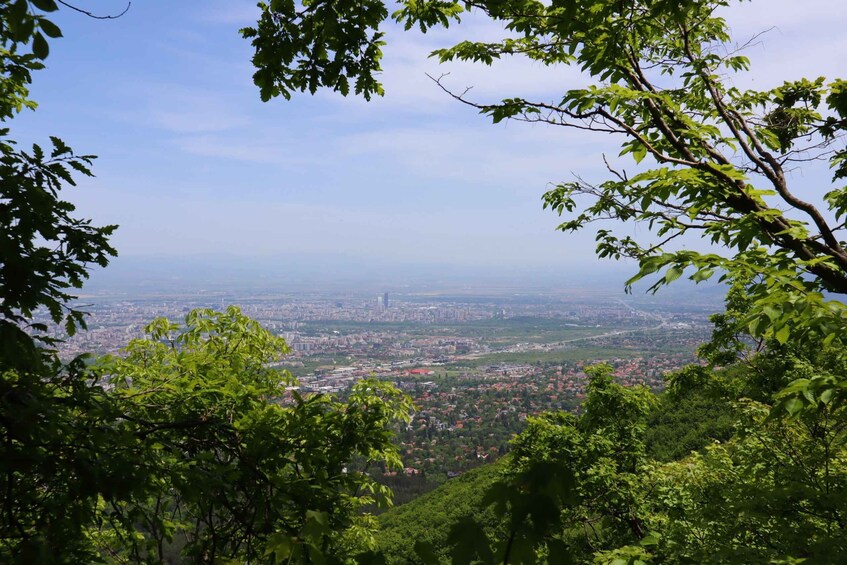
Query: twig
[{"x": 91, "y": 15}]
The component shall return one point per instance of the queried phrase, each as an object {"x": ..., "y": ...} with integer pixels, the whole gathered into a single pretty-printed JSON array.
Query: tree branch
[{"x": 94, "y": 16}]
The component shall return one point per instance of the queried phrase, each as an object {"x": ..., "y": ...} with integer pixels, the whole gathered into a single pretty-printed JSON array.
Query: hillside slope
[
  {"x": 430, "y": 517},
  {"x": 685, "y": 421}
]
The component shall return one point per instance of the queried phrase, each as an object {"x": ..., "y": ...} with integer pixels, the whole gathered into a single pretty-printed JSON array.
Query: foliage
[
  {"x": 51, "y": 426},
  {"x": 186, "y": 444},
  {"x": 431, "y": 517},
  {"x": 304, "y": 46},
  {"x": 694, "y": 412},
  {"x": 769, "y": 489},
  {"x": 57, "y": 450},
  {"x": 59, "y": 453},
  {"x": 44, "y": 251},
  {"x": 22, "y": 24},
  {"x": 230, "y": 468},
  {"x": 711, "y": 160},
  {"x": 569, "y": 484},
  {"x": 580, "y": 471},
  {"x": 189, "y": 441},
  {"x": 773, "y": 493}
]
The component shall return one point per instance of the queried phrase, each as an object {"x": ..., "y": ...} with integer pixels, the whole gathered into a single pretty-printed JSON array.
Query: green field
[
  {"x": 494, "y": 331},
  {"x": 575, "y": 354}
]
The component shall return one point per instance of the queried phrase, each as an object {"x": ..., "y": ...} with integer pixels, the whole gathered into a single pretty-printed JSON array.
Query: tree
[
  {"x": 599, "y": 487},
  {"x": 234, "y": 465},
  {"x": 52, "y": 461},
  {"x": 720, "y": 155},
  {"x": 45, "y": 250}
]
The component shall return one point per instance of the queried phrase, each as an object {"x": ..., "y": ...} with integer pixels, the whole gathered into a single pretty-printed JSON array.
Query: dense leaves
[
  {"x": 710, "y": 160},
  {"x": 429, "y": 519},
  {"x": 304, "y": 46},
  {"x": 44, "y": 250},
  {"x": 57, "y": 450},
  {"x": 231, "y": 465},
  {"x": 191, "y": 444},
  {"x": 699, "y": 474}
]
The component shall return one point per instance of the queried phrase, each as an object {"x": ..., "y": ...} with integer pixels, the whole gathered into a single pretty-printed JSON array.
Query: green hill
[{"x": 430, "y": 517}]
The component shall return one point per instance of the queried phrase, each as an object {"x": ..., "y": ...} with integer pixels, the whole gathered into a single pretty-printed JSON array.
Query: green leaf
[
  {"x": 793, "y": 406},
  {"x": 782, "y": 334},
  {"x": 672, "y": 274},
  {"x": 703, "y": 275},
  {"x": 826, "y": 396},
  {"x": 49, "y": 28},
  {"x": 639, "y": 152},
  {"x": 39, "y": 46},
  {"x": 46, "y": 6}
]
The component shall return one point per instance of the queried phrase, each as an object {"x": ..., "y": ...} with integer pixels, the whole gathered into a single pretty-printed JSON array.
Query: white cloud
[
  {"x": 191, "y": 110},
  {"x": 249, "y": 149},
  {"x": 516, "y": 155},
  {"x": 406, "y": 65},
  {"x": 415, "y": 174}
]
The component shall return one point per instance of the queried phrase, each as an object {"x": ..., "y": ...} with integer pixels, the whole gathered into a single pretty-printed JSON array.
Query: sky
[{"x": 192, "y": 163}]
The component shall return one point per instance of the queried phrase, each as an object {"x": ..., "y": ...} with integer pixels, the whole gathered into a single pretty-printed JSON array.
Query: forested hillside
[
  {"x": 695, "y": 412},
  {"x": 431, "y": 517},
  {"x": 699, "y": 409}
]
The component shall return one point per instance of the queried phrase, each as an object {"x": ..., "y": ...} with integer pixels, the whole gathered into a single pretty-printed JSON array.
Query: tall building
[
  {"x": 380, "y": 304},
  {"x": 385, "y": 300}
]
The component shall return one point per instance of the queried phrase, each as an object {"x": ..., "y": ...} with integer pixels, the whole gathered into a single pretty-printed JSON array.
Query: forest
[{"x": 188, "y": 447}]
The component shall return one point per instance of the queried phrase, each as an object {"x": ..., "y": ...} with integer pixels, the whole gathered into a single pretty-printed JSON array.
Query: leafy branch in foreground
[
  {"x": 56, "y": 446},
  {"x": 44, "y": 250},
  {"x": 722, "y": 156}
]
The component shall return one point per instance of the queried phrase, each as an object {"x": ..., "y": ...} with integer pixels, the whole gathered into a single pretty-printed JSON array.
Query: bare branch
[{"x": 91, "y": 15}]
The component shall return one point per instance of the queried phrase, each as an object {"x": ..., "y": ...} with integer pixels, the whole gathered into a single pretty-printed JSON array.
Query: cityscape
[{"x": 476, "y": 363}]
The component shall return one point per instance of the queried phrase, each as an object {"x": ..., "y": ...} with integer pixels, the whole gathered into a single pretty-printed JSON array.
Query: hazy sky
[{"x": 192, "y": 162}]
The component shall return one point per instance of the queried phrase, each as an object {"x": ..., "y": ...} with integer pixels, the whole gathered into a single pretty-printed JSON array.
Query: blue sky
[{"x": 191, "y": 162}]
